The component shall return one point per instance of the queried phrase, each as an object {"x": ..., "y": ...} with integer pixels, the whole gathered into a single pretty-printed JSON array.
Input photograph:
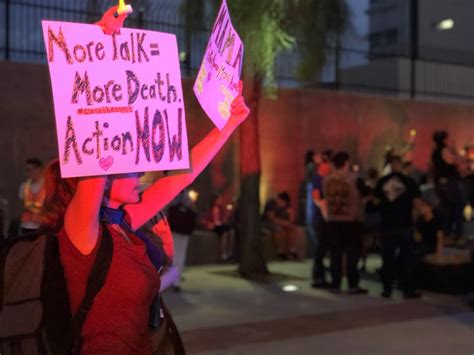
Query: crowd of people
[{"x": 401, "y": 212}]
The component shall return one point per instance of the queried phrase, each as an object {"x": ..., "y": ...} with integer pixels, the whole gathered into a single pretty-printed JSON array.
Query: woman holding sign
[
  {"x": 86, "y": 209},
  {"x": 92, "y": 212}
]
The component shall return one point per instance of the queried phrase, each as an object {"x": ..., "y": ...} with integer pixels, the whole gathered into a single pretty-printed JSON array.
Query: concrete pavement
[{"x": 220, "y": 313}]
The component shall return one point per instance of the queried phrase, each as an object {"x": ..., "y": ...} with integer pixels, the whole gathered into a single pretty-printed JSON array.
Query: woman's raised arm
[
  {"x": 165, "y": 189},
  {"x": 81, "y": 220}
]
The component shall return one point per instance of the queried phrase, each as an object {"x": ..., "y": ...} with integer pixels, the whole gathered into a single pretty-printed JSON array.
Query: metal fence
[
  {"x": 21, "y": 36},
  {"x": 346, "y": 69},
  {"x": 403, "y": 76}
]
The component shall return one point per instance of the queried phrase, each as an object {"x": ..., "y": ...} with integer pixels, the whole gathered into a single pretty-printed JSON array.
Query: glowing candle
[
  {"x": 193, "y": 195},
  {"x": 124, "y": 8}
]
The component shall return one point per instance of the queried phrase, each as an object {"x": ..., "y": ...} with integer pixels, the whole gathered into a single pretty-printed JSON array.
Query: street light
[{"x": 444, "y": 25}]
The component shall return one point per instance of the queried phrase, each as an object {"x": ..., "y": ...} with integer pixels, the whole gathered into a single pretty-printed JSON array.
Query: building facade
[{"x": 440, "y": 30}]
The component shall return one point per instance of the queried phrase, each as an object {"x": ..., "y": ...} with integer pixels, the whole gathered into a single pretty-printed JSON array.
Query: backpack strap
[
  {"x": 95, "y": 282},
  {"x": 163, "y": 217},
  {"x": 173, "y": 332}
]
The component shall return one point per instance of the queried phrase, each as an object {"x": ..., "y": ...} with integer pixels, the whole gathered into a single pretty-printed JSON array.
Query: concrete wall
[
  {"x": 362, "y": 125},
  {"x": 297, "y": 121}
]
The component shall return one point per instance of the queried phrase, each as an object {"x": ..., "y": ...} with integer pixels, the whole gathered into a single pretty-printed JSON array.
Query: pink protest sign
[
  {"x": 217, "y": 83},
  {"x": 118, "y": 100}
]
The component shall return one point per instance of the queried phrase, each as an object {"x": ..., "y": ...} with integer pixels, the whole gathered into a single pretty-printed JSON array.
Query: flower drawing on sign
[
  {"x": 224, "y": 105},
  {"x": 200, "y": 79}
]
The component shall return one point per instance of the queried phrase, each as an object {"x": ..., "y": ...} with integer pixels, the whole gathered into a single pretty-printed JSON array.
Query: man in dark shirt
[{"x": 397, "y": 194}]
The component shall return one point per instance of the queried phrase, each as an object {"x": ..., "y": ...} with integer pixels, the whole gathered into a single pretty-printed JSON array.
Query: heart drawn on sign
[{"x": 106, "y": 163}]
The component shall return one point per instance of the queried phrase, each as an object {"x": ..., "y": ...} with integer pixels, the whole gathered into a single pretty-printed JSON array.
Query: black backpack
[
  {"x": 35, "y": 316},
  {"x": 181, "y": 218}
]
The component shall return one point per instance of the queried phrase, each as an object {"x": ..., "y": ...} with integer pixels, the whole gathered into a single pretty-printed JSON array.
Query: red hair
[{"x": 59, "y": 193}]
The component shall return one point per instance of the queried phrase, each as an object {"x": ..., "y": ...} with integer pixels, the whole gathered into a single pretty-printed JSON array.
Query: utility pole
[
  {"x": 7, "y": 30},
  {"x": 414, "y": 45},
  {"x": 337, "y": 62}
]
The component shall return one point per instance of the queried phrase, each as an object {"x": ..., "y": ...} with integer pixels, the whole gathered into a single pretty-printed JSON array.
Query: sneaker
[
  {"x": 320, "y": 284},
  {"x": 386, "y": 294},
  {"x": 357, "y": 291},
  {"x": 412, "y": 294}
]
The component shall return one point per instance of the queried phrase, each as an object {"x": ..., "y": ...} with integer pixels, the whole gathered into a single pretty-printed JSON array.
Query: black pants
[
  {"x": 321, "y": 250},
  {"x": 399, "y": 240},
  {"x": 345, "y": 238},
  {"x": 452, "y": 207}
]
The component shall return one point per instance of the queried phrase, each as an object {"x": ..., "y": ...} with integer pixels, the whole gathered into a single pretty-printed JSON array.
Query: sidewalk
[{"x": 220, "y": 313}]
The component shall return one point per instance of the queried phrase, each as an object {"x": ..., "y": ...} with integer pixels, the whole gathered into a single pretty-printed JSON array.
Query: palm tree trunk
[{"x": 252, "y": 262}]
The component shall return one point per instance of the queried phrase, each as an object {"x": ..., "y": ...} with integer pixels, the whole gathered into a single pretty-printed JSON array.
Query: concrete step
[{"x": 203, "y": 247}]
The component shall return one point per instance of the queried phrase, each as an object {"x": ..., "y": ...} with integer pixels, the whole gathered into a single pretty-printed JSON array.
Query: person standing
[
  {"x": 448, "y": 185},
  {"x": 182, "y": 220},
  {"x": 220, "y": 226},
  {"x": 319, "y": 225},
  {"x": 344, "y": 216},
  {"x": 397, "y": 194},
  {"x": 310, "y": 172},
  {"x": 117, "y": 321},
  {"x": 32, "y": 193}
]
